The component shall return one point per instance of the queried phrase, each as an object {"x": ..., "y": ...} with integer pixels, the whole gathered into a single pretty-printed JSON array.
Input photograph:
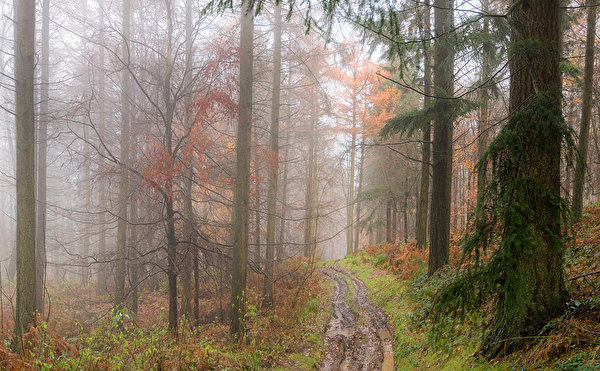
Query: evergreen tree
[{"x": 522, "y": 203}]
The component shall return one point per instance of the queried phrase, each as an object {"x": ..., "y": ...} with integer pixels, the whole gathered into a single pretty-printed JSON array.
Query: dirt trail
[{"x": 358, "y": 337}]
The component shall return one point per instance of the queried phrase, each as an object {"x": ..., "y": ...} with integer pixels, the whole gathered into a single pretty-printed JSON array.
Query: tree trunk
[
  {"x": 423, "y": 206},
  {"x": 388, "y": 221},
  {"x": 119, "y": 299},
  {"x": 405, "y": 214},
  {"x": 102, "y": 267},
  {"x": 133, "y": 249},
  {"x": 257, "y": 257},
  {"x": 349, "y": 231},
  {"x": 85, "y": 269},
  {"x": 395, "y": 221},
  {"x": 482, "y": 126},
  {"x": 531, "y": 265},
  {"x": 311, "y": 187},
  {"x": 280, "y": 250},
  {"x": 24, "y": 49},
  {"x": 188, "y": 214},
  {"x": 360, "y": 185},
  {"x": 274, "y": 163},
  {"x": 441, "y": 192},
  {"x": 169, "y": 202},
  {"x": 242, "y": 184},
  {"x": 42, "y": 160},
  {"x": 586, "y": 112}
]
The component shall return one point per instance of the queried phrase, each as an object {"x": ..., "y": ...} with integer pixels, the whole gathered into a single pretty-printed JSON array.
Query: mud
[{"x": 358, "y": 336}]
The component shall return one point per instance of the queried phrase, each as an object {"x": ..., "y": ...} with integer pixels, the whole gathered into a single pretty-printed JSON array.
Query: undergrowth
[
  {"x": 285, "y": 337},
  {"x": 396, "y": 276}
]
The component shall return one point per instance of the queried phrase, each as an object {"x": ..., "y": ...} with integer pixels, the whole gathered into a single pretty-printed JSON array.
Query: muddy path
[{"x": 358, "y": 336}]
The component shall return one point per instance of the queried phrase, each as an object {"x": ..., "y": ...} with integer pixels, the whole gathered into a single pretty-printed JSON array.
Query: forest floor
[
  {"x": 366, "y": 311},
  {"x": 83, "y": 333},
  {"x": 396, "y": 281}
]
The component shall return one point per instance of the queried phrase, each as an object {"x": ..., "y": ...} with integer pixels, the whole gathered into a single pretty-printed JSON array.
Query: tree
[
  {"x": 42, "y": 157},
  {"x": 102, "y": 276},
  {"x": 242, "y": 184},
  {"x": 522, "y": 204},
  {"x": 24, "y": 49},
  {"x": 443, "y": 119},
  {"x": 119, "y": 298},
  {"x": 188, "y": 211},
  {"x": 423, "y": 206},
  {"x": 483, "y": 126},
  {"x": 274, "y": 161},
  {"x": 586, "y": 112},
  {"x": 359, "y": 191}
]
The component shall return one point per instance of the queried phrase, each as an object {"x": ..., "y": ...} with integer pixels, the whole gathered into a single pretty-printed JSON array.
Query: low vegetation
[
  {"x": 84, "y": 333},
  {"x": 396, "y": 275}
]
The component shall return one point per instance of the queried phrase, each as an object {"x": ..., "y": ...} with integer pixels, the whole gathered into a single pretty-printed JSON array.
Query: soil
[{"x": 358, "y": 335}]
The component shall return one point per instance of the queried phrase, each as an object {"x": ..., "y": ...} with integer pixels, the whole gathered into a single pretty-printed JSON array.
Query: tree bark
[
  {"x": 172, "y": 242},
  {"x": 274, "y": 163},
  {"x": 423, "y": 206},
  {"x": 133, "y": 249},
  {"x": 441, "y": 192},
  {"x": 358, "y": 203},
  {"x": 310, "y": 223},
  {"x": 102, "y": 276},
  {"x": 242, "y": 184},
  {"x": 257, "y": 257},
  {"x": 483, "y": 139},
  {"x": 24, "y": 49},
  {"x": 586, "y": 112},
  {"x": 286, "y": 157},
  {"x": 42, "y": 160},
  {"x": 85, "y": 268},
  {"x": 395, "y": 221},
  {"x": 532, "y": 277},
  {"x": 119, "y": 299},
  {"x": 388, "y": 221},
  {"x": 351, "y": 180},
  {"x": 190, "y": 252},
  {"x": 405, "y": 214}
]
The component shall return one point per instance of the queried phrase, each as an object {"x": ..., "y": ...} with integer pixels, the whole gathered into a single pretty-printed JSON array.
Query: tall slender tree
[
  {"x": 42, "y": 159},
  {"x": 24, "y": 49},
  {"x": 242, "y": 184},
  {"x": 358, "y": 193},
  {"x": 188, "y": 212},
  {"x": 119, "y": 298},
  {"x": 274, "y": 162},
  {"x": 586, "y": 111},
  {"x": 443, "y": 81},
  {"x": 102, "y": 276},
  {"x": 483, "y": 137},
  {"x": 423, "y": 206}
]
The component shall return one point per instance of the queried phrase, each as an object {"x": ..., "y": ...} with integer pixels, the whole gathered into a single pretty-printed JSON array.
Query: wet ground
[{"x": 358, "y": 336}]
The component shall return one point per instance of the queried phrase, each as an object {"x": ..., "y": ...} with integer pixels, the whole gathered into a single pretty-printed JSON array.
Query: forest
[{"x": 299, "y": 185}]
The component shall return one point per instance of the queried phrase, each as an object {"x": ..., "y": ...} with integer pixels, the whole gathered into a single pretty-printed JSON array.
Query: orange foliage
[{"x": 404, "y": 259}]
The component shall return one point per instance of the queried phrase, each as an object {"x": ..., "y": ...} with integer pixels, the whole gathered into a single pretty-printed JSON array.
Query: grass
[
  {"x": 412, "y": 350},
  {"x": 405, "y": 300}
]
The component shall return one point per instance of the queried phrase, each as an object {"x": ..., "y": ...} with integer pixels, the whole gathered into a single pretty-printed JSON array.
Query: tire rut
[{"x": 355, "y": 341}]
